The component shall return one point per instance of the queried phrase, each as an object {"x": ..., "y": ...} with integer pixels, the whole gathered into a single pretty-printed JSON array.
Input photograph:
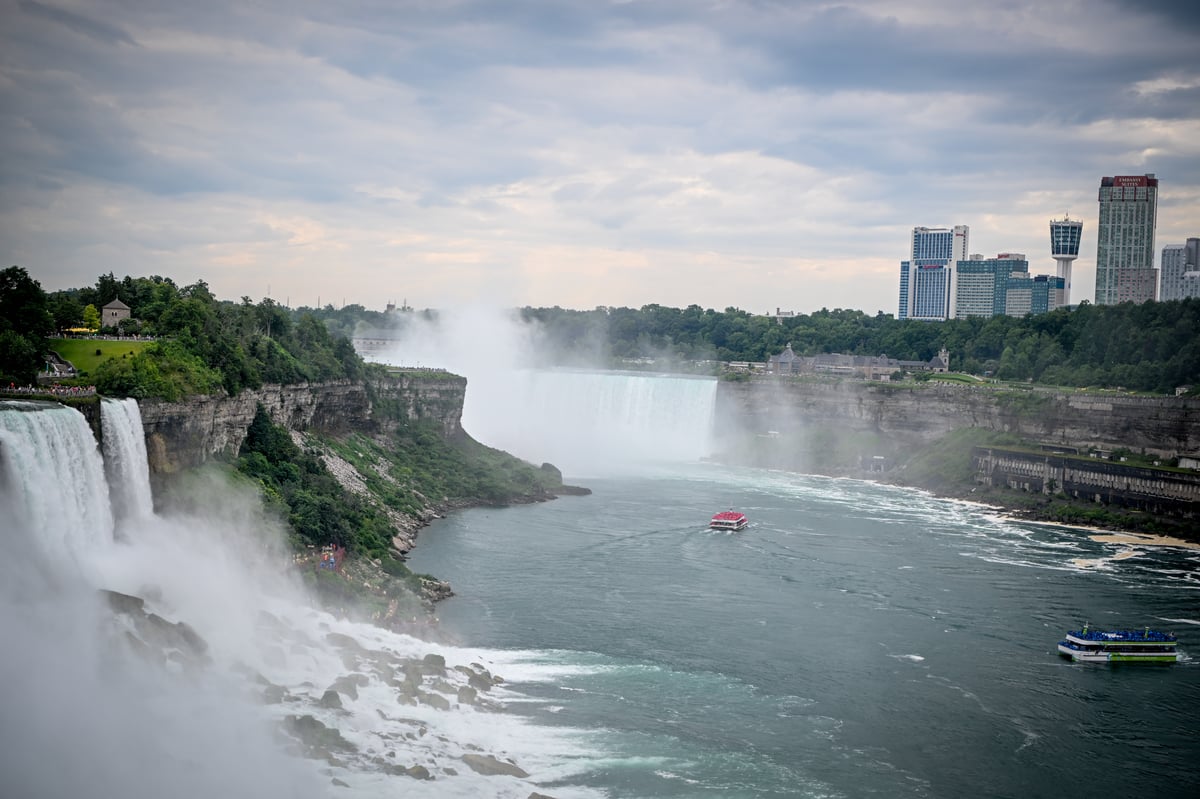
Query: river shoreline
[{"x": 1059, "y": 510}]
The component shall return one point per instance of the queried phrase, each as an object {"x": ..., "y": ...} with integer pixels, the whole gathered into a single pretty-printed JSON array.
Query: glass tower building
[
  {"x": 1180, "y": 271},
  {"x": 927, "y": 277},
  {"x": 1125, "y": 239},
  {"x": 992, "y": 286}
]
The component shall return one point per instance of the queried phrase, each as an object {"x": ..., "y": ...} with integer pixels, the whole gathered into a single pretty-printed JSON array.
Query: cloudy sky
[{"x": 578, "y": 152}]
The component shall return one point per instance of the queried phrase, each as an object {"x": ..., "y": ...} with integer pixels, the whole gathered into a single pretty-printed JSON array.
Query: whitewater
[
  {"x": 92, "y": 709},
  {"x": 855, "y": 640}
]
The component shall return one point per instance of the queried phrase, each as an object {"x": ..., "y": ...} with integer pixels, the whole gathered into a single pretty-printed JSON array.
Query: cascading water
[
  {"x": 52, "y": 480},
  {"x": 178, "y": 657},
  {"x": 125, "y": 460},
  {"x": 585, "y": 422}
]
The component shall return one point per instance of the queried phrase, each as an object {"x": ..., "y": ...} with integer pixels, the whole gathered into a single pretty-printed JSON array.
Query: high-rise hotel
[
  {"x": 1125, "y": 240},
  {"x": 1180, "y": 271},
  {"x": 927, "y": 277}
]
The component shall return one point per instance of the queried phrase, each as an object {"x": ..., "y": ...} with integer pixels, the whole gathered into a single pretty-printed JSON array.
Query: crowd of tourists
[{"x": 54, "y": 390}]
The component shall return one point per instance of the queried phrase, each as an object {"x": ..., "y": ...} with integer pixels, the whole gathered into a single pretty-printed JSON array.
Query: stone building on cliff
[{"x": 866, "y": 367}]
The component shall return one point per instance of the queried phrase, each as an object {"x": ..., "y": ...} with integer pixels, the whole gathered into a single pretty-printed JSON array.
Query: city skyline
[{"x": 751, "y": 155}]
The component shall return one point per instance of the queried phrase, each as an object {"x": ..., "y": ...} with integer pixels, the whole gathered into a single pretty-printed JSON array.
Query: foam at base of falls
[{"x": 100, "y": 699}]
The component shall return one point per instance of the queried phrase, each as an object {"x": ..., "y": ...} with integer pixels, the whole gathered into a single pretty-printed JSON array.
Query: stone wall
[
  {"x": 920, "y": 413},
  {"x": 190, "y": 432},
  {"x": 1093, "y": 479}
]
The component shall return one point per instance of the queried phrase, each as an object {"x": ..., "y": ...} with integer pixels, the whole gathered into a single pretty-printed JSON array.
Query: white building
[
  {"x": 927, "y": 277},
  {"x": 1180, "y": 271}
]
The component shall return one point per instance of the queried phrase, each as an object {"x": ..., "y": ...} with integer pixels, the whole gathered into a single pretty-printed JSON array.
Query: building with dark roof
[{"x": 113, "y": 312}]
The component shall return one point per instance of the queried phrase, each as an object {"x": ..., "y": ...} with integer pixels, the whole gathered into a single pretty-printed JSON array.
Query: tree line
[
  {"x": 203, "y": 344},
  {"x": 1153, "y": 346}
]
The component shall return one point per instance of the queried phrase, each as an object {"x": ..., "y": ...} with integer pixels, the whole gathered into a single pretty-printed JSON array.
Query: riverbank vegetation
[{"x": 387, "y": 482}]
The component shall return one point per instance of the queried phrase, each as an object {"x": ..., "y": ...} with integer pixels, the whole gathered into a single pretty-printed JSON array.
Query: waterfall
[
  {"x": 125, "y": 459},
  {"x": 585, "y": 422},
  {"x": 191, "y": 680},
  {"x": 52, "y": 481}
]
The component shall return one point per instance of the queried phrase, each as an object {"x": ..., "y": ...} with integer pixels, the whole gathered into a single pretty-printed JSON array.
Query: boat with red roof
[{"x": 728, "y": 520}]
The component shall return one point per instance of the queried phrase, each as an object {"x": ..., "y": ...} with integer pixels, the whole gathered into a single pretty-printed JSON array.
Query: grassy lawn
[
  {"x": 82, "y": 352},
  {"x": 956, "y": 377}
]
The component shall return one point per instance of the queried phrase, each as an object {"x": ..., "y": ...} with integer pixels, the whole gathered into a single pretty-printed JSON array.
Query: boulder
[
  {"x": 317, "y": 740},
  {"x": 346, "y": 685},
  {"x": 419, "y": 772},
  {"x": 434, "y": 700},
  {"x": 489, "y": 766}
]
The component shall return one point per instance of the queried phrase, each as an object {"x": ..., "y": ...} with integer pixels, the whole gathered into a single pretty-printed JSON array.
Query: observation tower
[{"x": 1064, "y": 246}]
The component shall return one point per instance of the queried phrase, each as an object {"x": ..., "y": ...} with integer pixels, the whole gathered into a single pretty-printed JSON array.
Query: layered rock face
[
  {"x": 919, "y": 414},
  {"x": 187, "y": 433}
]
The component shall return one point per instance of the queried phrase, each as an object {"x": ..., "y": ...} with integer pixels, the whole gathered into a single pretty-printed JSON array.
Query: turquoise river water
[{"x": 855, "y": 640}]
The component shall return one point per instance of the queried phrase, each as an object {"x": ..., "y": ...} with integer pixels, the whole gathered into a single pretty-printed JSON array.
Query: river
[{"x": 855, "y": 640}]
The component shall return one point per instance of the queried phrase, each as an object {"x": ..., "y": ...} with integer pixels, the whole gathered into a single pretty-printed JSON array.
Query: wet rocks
[
  {"x": 317, "y": 740},
  {"x": 490, "y": 766},
  {"x": 348, "y": 684},
  {"x": 169, "y": 643},
  {"x": 436, "y": 701}
]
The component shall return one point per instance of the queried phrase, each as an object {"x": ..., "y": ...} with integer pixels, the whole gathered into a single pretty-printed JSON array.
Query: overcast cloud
[{"x": 547, "y": 152}]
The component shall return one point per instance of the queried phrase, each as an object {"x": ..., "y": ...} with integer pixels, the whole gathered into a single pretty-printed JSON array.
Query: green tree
[
  {"x": 25, "y": 324},
  {"x": 66, "y": 310},
  {"x": 91, "y": 318}
]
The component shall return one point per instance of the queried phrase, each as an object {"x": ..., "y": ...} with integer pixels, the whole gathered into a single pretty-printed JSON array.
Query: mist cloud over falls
[{"x": 583, "y": 420}]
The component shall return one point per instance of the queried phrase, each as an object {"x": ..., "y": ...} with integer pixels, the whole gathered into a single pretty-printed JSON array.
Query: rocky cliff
[
  {"x": 190, "y": 432},
  {"x": 914, "y": 414}
]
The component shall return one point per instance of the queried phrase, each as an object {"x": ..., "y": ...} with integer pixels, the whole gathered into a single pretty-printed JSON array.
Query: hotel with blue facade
[{"x": 927, "y": 277}]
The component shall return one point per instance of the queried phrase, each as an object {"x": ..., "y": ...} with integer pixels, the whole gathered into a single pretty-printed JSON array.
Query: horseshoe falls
[{"x": 588, "y": 422}]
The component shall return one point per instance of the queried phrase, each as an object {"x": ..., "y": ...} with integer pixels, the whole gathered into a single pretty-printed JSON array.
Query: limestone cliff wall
[
  {"x": 192, "y": 431},
  {"x": 920, "y": 413}
]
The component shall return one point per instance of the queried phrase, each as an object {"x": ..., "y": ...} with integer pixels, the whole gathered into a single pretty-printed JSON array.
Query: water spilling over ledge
[{"x": 165, "y": 654}]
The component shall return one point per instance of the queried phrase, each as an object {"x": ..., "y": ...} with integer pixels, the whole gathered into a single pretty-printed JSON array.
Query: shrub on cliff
[
  {"x": 317, "y": 508},
  {"x": 164, "y": 369}
]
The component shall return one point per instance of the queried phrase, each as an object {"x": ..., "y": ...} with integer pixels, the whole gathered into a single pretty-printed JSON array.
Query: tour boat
[
  {"x": 728, "y": 520},
  {"x": 1119, "y": 646}
]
